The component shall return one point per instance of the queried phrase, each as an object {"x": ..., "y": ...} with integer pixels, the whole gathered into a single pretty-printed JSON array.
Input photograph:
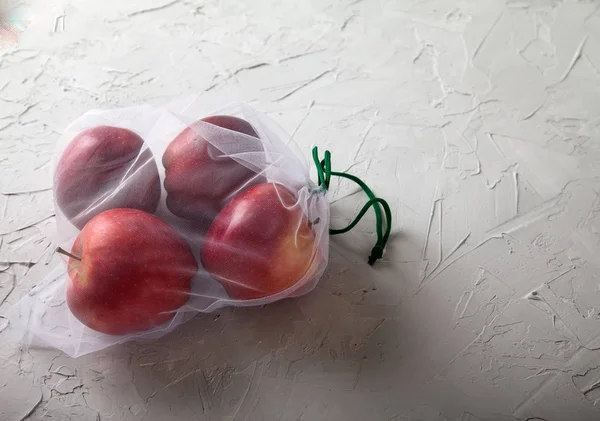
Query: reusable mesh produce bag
[{"x": 165, "y": 212}]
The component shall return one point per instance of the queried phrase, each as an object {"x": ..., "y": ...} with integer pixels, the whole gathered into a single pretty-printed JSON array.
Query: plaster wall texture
[{"x": 479, "y": 121}]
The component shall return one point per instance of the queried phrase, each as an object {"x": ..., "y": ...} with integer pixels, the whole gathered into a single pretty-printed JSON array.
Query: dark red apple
[
  {"x": 105, "y": 168},
  {"x": 199, "y": 179},
  {"x": 260, "y": 243},
  {"x": 129, "y": 271}
]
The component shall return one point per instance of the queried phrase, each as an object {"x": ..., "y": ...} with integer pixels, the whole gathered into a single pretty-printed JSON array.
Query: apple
[
  {"x": 128, "y": 272},
  {"x": 199, "y": 179},
  {"x": 260, "y": 244},
  {"x": 104, "y": 168}
]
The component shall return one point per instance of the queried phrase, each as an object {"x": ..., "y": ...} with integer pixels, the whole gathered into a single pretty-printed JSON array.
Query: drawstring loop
[{"x": 324, "y": 174}]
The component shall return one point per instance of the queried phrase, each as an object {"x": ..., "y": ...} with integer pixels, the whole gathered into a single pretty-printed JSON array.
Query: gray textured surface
[{"x": 478, "y": 120}]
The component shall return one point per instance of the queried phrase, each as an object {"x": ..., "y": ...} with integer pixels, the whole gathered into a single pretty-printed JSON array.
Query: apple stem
[{"x": 61, "y": 250}]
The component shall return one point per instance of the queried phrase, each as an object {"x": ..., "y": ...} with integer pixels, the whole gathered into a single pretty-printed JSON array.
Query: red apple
[
  {"x": 260, "y": 243},
  {"x": 199, "y": 179},
  {"x": 105, "y": 168},
  {"x": 129, "y": 271}
]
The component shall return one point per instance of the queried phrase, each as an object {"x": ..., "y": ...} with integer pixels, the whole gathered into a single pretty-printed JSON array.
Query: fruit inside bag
[{"x": 166, "y": 212}]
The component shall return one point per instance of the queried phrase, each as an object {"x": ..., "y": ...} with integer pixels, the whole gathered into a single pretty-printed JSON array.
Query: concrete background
[{"x": 478, "y": 120}]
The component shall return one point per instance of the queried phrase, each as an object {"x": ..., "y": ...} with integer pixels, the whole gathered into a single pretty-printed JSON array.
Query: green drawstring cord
[{"x": 324, "y": 174}]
